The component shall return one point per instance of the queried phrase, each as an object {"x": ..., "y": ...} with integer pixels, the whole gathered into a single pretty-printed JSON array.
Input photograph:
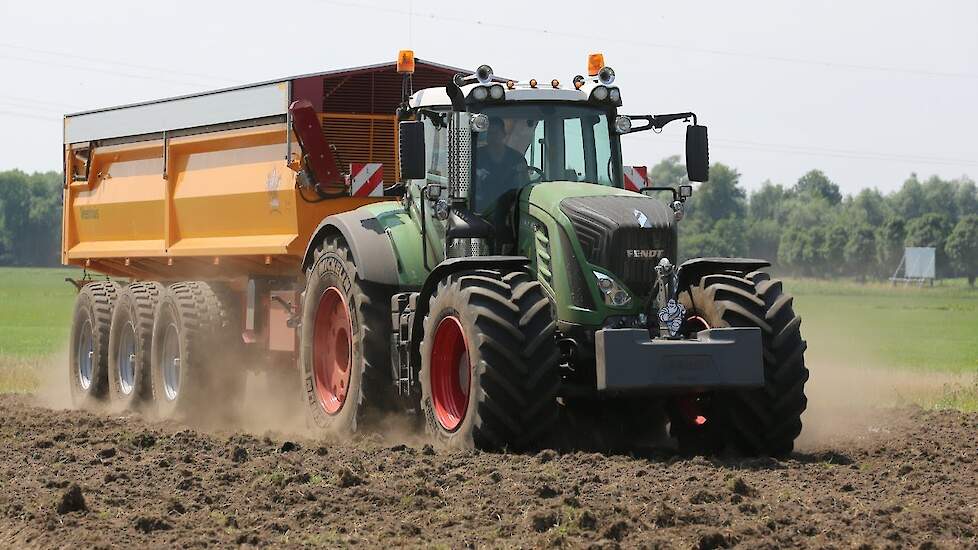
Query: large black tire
[
  {"x": 498, "y": 327},
  {"x": 363, "y": 389},
  {"x": 194, "y": 324},
  {"x": 130, "y": 344},
  {"x": 89, "y": 342},
  {"x": 764, "y": 421}
]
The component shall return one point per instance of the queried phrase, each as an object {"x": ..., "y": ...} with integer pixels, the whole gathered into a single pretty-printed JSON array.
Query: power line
[
  {"x": 34, "y": 101},
  {"x": 672, "y": 47},
  {"x": 209, "y": 77},
  {"x": 823, "y": 152},
  {"x": 104, "y": 71},
  {"x": 29, "y": 115}
]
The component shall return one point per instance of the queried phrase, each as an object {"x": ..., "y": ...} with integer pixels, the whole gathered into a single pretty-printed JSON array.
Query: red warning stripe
[
  {"x": 367, "y": 179},
  {"x": 636, "y": 177}
]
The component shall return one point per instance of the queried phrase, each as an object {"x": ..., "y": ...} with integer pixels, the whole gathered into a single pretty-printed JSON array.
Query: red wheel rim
[
  {"x": 332, "y": 350},
  {"x": 451, "y": 374}
]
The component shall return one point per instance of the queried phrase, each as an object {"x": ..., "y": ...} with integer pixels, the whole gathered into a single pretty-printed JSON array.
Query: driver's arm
[{"x": 522, "y": 170}]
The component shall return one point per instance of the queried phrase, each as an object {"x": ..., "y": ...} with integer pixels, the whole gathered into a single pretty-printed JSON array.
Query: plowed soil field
[{"x": 899, "y": 478}]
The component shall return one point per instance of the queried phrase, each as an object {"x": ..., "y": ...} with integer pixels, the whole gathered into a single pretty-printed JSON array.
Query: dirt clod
[
  {"x": 543, "y": 520},
  {"x": 148, "y": 524},
  {"x": 738, "y": 486},
  {"x": 72, "y": 500},
  {"x": 346, "y": 477},
  {"x": 144, "y": 440},
  {"x": 239, "y": 454}
]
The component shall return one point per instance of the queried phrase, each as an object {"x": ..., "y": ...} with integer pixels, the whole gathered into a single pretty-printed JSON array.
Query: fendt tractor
[{"x": 502, "y": 285}]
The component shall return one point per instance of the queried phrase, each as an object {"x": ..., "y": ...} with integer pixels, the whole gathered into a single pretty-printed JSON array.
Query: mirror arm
[{"x": 657, "y": 122}]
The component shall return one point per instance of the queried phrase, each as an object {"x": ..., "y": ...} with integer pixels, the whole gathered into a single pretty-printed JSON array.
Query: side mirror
[
  {"x": 410, "y": 140},
  {"x": 697, "y": 153}
]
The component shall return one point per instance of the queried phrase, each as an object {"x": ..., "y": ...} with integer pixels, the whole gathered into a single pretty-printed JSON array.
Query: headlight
[
  {"x": 613, "y": 294},
  {"x": 479, "y": 123},
  {"x": 623, "y": 124},
  {"x": 479, "y": 93},
  {"x": 600, "y": 93},
  {"x": 606, "y": 76},
  {"x": 484, "y": 74},
  {"x": 496, "y": 92},
  {"x": 615, "y": 96}
]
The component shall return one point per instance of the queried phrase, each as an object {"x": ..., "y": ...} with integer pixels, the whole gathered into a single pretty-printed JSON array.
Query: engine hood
[
  {"x": 623, "y": 232},
  {"x": 609, "y": 207}
]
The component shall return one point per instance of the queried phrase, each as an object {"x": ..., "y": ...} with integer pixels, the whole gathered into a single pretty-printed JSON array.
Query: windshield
[{"x": 535, "y": 142}]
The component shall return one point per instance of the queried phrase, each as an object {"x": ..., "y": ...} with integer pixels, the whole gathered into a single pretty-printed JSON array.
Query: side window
[
  {"x": 574, "y": 166},
  {"x": 602, "y": 151},
  {"x": 436, "y": 145},
  {"x": 534, "y": 152}
]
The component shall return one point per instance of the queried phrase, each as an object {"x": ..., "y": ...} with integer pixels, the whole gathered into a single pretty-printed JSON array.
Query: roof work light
[
  {"x": 405, "y": 61},
  {"x": 595, "y": 62}
]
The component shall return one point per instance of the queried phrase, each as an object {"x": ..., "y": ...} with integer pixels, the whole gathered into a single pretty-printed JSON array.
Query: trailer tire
[
  {"x": 89, "y": 342},
  {"x": 763, "y": 421},
  {"x": 489, "y": 362},
  {"x": 344, "y": 351},
  {"x": 130, "y": 344},
  {"x": 194, "y": 352}
]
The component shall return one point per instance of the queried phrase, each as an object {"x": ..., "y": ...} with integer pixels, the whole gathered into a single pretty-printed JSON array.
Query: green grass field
[{"x": 911, "y": 330}]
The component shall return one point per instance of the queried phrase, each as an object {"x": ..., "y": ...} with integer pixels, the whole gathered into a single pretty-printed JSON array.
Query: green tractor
[{"x": 518, "y": 296}]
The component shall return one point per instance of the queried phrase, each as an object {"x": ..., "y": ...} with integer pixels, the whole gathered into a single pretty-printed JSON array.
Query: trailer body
[{"x": 204, "y": 186}]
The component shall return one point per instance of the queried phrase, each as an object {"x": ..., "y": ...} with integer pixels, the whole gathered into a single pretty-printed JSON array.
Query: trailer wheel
[
  {"x": 764, "y": 421},
  {"x": 89, "y": 343},
  {"x": 130, "y": 343},
  {"x": 344, "y": 356},
  {"x": 194, "y": 346},
  {"x": 489, "y": 362}
]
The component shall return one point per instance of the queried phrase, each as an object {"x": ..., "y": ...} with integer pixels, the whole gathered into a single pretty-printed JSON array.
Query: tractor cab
[{"x": 471, "y": 150}]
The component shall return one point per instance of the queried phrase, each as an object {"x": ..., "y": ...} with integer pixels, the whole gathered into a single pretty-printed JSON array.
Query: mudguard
[
  {"x": 367, "y": 238},
  {"x": 691, "y": 271}
]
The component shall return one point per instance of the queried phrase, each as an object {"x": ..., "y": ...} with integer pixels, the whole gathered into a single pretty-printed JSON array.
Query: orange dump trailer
[
  {"x": 205, "y": 185},
  {"x": 196, "y": 210}
]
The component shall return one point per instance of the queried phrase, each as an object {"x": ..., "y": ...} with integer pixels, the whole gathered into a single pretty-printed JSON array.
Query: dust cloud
[{"x": 851, "y": 394}]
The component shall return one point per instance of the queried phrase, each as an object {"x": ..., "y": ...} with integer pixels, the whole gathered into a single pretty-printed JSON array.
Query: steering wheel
[{"x": 534, "y": 171}]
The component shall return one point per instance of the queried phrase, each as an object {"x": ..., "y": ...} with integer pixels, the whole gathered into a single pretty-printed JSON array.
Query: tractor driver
[{"x": 499, "y": 167}]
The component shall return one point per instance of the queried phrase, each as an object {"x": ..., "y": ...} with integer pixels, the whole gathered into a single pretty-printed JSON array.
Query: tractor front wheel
[
  {"x": 489, "y": 362},
  {"x": 764, "y": 421}
]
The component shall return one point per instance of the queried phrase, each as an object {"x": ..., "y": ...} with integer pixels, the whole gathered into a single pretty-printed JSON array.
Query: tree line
[
  {"x": 30, "y": 218},
  {"x": 811, "y": 229},
  {"x": 808, "y": 228}
]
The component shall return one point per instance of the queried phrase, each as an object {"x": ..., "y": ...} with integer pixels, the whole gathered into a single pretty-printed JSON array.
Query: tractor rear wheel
[
  {"x": 344, "y": 359},
  {"x": 194, "y": 345},
  {"x": 130, "y": 344},
  {"x": 89, "y": 344},
  {"x": 489, "y": 362},
  {"x": 763, "y": 421}
]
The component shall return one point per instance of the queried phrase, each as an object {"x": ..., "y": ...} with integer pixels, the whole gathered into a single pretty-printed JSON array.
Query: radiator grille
[{"x": 622, "y": 235}]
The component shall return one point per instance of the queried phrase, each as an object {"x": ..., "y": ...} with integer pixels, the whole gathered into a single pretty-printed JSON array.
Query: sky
[{"x": 867, "y": 91}]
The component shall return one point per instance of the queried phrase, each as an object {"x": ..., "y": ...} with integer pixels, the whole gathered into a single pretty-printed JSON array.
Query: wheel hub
[
  {"x": 332, "y": 350},
  {"x": 85, "y": 355},
  {"x": 171, "y": 362},
  {"x": 126, "y": 360},
  {"x": 451, "y": 374}
]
